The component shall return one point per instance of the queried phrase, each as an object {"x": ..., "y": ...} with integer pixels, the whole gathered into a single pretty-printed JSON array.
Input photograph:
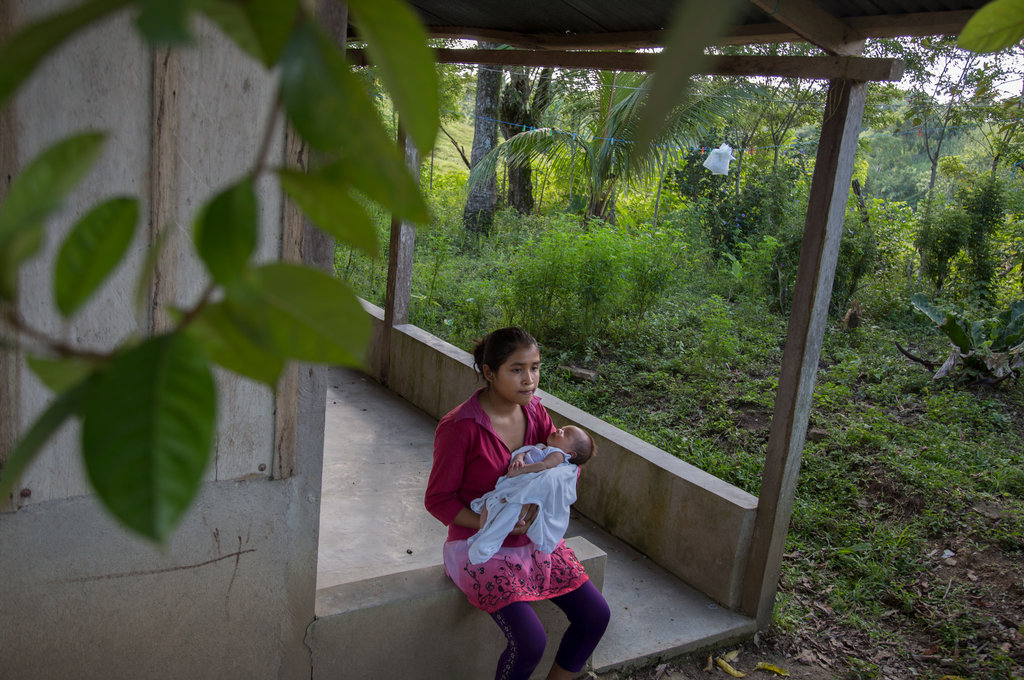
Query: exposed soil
[
  {"x": 800, "y": 664},
  {"x": 825, "y": 650}
]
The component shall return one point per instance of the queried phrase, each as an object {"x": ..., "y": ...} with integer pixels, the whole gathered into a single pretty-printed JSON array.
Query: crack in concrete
[{"x": 151, "y": 572}]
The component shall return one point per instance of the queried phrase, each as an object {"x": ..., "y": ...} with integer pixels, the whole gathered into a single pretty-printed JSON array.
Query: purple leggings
[{"x": 588, "y": 616}]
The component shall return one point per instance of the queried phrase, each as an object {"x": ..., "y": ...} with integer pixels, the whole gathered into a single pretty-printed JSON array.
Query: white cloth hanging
[{"x": 718, "y": 160}]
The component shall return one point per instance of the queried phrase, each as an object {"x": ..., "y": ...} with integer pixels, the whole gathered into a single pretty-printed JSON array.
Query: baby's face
[{"x": 564, "y": 438}]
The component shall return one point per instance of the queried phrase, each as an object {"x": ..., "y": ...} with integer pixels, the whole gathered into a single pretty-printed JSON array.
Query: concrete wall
[
  {"x": 232, "y": 594},
  {"x": 691, "y": 523}
]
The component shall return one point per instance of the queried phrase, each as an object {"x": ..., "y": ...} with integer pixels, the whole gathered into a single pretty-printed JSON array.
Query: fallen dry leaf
[
  {"x": 764, "y": 666},
  {"x": 724, "y": 665}
]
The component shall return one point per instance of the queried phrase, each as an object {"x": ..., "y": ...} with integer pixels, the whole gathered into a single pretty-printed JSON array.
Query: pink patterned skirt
[{"x": 519, "y": 574}]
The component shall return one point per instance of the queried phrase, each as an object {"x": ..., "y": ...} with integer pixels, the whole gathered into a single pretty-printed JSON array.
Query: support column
[
  {"x": 830, "y": 187},
  {"x": 400, "y": 252}
]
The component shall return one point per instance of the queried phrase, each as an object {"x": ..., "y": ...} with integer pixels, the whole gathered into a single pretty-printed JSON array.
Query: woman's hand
[{"x": 526, "y": 518}]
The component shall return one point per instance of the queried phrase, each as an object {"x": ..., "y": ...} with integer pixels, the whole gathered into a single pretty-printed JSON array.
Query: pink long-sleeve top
[{"x": 469, "y": 457}]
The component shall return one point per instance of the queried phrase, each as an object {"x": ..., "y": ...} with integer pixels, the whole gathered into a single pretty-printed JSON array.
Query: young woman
[{"x": 472, "y": 448}]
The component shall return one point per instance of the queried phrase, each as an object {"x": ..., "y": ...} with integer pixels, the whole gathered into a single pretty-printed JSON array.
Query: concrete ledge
[
  {"x": 418, "y": 624},
  {"x": 691, "y": 523}
]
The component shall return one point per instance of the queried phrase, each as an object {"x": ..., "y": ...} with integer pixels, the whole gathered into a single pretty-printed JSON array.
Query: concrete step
[{"x": 417, "y": 624}]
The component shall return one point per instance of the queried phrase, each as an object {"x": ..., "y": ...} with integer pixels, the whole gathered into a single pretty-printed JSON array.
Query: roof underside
[
  {"x": 568, "y": 24},
  {"x": 604, "y": 34}
]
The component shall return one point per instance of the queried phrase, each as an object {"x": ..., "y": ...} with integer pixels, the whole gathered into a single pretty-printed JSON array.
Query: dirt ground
[
  {"x": 744, "y": 659},
  {"x": 992, "y": 587}
]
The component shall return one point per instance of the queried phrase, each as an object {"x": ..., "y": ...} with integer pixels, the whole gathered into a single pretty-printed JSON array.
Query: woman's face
[{"x": 517, "y": 379}]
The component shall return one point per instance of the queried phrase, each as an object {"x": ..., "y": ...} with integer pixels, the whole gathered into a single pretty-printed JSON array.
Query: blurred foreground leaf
[
  {"x": 92, "y": 250},
  {"x": 226, "y": 231},
  {"x": 34, "y": 195},
  {"x": 231, "y": 347},
  {"x": 31, "y": 443},
  {"x": 397, "y": 45},
  {"x": 300, "y": 313},
  {"x": 20, "y": 55},
  {"x": 332, "y": 209},
  {"x": 994, "y": 27},
  {"x": 147, "y": 432}
]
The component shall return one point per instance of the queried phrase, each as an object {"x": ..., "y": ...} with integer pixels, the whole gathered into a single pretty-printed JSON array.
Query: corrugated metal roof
[{"x": 592, "y": 17}]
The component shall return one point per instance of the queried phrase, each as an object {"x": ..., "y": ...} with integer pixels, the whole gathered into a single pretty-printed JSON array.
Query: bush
[{"x": 573, "y": 283}]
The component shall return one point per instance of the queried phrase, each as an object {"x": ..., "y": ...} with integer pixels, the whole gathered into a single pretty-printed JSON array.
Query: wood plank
[
  {"x": 400, "y": 255},
  {"x": 815, "y": 25},
  {"x": 826, "y": 208},
  {"x": 914, "y": 24},
  {"x": 824, "y": 68},
  {"x": 11, "y": 357}
]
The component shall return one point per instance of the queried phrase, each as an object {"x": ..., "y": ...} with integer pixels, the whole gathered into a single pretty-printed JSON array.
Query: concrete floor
[{"x": 377, "y": 457}]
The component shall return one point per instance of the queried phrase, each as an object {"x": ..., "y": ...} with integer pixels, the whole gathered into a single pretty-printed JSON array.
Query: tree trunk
[
  {"x": 478, "y": 214},
  {"x": 522, "y": 104}
]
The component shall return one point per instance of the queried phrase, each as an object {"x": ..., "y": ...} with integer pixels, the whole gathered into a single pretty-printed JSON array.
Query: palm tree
[{"x": 601, "y": 152}]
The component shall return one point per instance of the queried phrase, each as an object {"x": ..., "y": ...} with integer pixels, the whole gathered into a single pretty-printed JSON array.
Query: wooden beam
[
  {"x": 823, "y": 229},
  {"x": 400, "y": 254},
  {"x": 823, "y": 68},
  {"x": 917, "y": 24},
  {"x": 816, "y": 68},
  {"x": 914, "y": 24},
  {"x": 631, "y": 40},
  {"x": 815, "y": 25}
]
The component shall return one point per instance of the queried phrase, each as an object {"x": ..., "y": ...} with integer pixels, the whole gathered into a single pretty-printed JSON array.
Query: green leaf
[
  {"x": 300, "y": 313},
  {"x": 164, "y": 22},
  {"x": 92, "y": 250},
  {"x": 332, "y": 111},
  {"x": 31, "y": 443},
  {"x": 20, "y": 54},
  {"x": 259, "y": 27},
  {"x": 229, "y": 346},
  {"x": 331, "y": 208},
  {"x": 382, "y": 182},
  {"x": 147, "y": 431},
  {"x": 921, "y": 302},
  {"x": 34, "y": 195},
  {"x": 694, "y": 26},
  {"x": 61, "y": 374},
  {"x": 958, "y": 332},
  {"x": 994, "y": 27},
  {"x": 226, "y": 231},
  {"x": 324, "y": 100},
  {"x": 1011, "y": 331},
  {"x": 397, "y": 46}
]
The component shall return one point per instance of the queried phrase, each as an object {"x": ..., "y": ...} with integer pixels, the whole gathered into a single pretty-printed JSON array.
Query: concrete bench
[{"x": 417, "y": 625}]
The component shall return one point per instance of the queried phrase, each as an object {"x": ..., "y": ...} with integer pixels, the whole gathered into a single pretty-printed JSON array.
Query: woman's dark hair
[{"x": 497, "y": 346}]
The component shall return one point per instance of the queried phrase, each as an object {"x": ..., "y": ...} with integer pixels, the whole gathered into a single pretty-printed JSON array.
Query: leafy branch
[{"x": 148, "y": 405}]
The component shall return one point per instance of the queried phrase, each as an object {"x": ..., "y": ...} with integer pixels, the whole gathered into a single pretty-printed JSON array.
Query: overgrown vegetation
[{"x": 907, "y": 542}]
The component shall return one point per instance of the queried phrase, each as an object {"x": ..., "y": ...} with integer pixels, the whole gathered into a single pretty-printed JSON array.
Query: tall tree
[
  {"x": 478, "y": 215},
  {"x": 600, "y": 154},
  {"x": 947, "y": 85},
  {"x": 523, "y": 102}
]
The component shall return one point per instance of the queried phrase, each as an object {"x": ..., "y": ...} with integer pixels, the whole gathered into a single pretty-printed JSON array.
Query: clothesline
[{"x": 704, "y": 149}]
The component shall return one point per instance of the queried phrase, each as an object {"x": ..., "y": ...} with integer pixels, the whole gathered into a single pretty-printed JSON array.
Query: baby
[
  {"x": 567, "y": 445},
  {"x": 552, "y": 488}
]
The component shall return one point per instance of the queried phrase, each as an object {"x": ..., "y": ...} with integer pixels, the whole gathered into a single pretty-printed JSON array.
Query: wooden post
[
  {"x": 823, "y": 229},
  {"x": 400, "y": 252}
]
